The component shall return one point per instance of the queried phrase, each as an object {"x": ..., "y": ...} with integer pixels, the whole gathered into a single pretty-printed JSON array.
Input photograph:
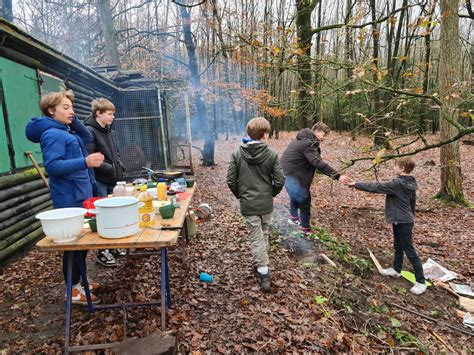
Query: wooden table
[{"x": 157, "y": 236}]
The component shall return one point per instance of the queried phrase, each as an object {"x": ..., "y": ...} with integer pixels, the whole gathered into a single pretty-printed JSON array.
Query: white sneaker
[
  {"x": 390, "y": 272},
  {"x": 418, "y": 289},
  {"x": 293, "y": 222}
]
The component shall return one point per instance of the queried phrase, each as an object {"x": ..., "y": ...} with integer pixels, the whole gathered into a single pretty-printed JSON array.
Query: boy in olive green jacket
[{"x": 255, "y": 176}]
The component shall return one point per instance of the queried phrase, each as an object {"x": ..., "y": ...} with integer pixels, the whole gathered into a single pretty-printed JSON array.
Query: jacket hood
[
  {"x": 255, "y": 153},
  {"x": 306, "y": 133},
  {"x": 408, "y": 183},
  {"x": 91, "y": 121},
  {"x": 38, "y": 125}
]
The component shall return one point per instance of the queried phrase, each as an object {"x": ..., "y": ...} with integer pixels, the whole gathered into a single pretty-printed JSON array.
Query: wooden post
[{"x": 188, "y": 131}]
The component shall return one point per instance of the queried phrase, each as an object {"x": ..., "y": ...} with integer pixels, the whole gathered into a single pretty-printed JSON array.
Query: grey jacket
[
  {"x": 255, "y": 177},
  {"x": 400, "y": 201}
]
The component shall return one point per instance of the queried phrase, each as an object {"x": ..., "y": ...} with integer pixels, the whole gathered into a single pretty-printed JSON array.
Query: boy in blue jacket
[
  {"x": 63, "y": 140},
  {"x": 400, "y": 205}
]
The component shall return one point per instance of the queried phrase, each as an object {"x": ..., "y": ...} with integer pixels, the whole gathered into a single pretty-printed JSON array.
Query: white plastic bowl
[{"x": 62, "y": 225}]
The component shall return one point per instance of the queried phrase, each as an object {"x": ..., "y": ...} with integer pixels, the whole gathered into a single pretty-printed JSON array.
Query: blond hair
[
  {"x": 257, "y": 127},
  {"x": 53, "y": 99},
  {"x": 322, "y": 127},
  {"x": 406, "y": 163},
  {"x": 102, "y": 105}
]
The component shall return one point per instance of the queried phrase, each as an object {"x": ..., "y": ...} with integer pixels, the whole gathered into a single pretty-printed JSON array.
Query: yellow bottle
[
  {"x": 161, "y": 191},
  {"x": 146, "y": 212}
]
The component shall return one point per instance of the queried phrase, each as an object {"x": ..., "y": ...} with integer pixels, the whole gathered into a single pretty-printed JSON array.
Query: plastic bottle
[
  {"x": 161, "y": 191},
  {"x": 120, "y": 189},
  {"x": 171, "y": 197},
  {"x": 146, "y": 213}
]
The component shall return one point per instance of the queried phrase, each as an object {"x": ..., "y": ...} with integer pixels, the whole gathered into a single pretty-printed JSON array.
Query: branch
[
  {"x": 131, "y": 8},
  {"x": 384, "y": 158},
  {"x": 189, "y": 6},
  {"x": 371, "y": 23},
  {"x": 469, "y": 9},
  {"x": 403, "y": 92}
]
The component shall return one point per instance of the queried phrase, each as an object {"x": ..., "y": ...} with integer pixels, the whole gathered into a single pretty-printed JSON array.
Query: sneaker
[
  {"x": 79, "y": 296},
  {"x": 390, "y": 272},
  {"x": 265, "y": 281},
  {"x": 93, "y": 285},
  {"x": 418, "y": 289},
  {"x": 117, "y": 253},
  {"x": 294, "y": 221},
  {"x": 105, "y": 258},
  {"x": 306, "y": 230}
]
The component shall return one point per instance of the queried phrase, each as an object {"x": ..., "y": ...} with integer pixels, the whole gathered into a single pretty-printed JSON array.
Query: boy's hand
[
  {"x": 94, "y": 160},
  {"x": 344, "y": 179}
]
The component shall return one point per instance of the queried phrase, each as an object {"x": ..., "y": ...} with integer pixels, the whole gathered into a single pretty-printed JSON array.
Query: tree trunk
[
  {"x": 208, "y": 152},
  {"x": 304, "y": 8},
  {"x": 106, "y": 22},
  {"x": 379, "y": 138},
  {"x": 450, "y": 74},
  {"x": 6, "y": 10}
]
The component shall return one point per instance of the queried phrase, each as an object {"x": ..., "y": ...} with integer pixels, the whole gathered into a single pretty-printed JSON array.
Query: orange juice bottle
[
  {"x": 161, "y": 191},
  {"x": 146, "y": 212}
]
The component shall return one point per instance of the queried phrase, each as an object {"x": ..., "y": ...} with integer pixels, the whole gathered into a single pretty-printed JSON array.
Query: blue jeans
[
  {"x": 300, "y": 199},
  {"x": 403, "y": 243},
  {"x": 104, "y": 189}
]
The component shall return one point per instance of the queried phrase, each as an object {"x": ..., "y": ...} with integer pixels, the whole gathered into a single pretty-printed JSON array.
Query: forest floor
[{"x": 312, "y": 307}]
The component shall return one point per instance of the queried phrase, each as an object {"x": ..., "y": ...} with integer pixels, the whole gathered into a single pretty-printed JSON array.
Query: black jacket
[
  {"x": 255, "y": 177},
  {"x": 400, "y": 201},
  {"x": 104, "y": 142},
  {"x": 303, "y": 157}
]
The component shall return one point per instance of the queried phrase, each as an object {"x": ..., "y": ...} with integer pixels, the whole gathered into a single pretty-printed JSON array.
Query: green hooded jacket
[{"x": 255, "y": 176}]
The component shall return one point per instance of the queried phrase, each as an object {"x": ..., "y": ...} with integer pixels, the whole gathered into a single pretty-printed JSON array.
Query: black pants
[
  {"x": 403, "y": 243},
  {"x": 76, "y": 275}
]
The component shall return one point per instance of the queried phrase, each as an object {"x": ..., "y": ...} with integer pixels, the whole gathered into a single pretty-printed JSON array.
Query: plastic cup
[
  {"x": 93, "y": 224},
  {"x": 205, "y": 277},
  {"x": 190, "y": 183}
]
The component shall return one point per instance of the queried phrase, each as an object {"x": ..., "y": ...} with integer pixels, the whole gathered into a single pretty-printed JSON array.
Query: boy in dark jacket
[
  {"x": 71, "y": 180},
  {"x": 111, "y": 170},
  {"x": 299, "y": 162},
  {"x": 255, "y": 177},
  {"x": 400, "y": 202}
]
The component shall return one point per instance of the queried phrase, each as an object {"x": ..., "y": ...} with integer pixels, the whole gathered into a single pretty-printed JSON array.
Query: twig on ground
[
  {"x": 441, "y": 340},
  {"x": 432, "y": 319}
]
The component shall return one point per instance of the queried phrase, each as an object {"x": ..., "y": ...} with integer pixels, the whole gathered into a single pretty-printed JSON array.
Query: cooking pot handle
[
  {"x": 93, "y": 211},
  {"x": 141, "y": 204}
]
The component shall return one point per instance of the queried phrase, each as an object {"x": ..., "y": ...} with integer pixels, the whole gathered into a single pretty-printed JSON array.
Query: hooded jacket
[
  {"x": 400, "y": 201},
  {"x": 303, "y": 157},
  {"x": 64, "y": 155},
  {"x": 255, "y": 177},
  {"x": 103, "y": 141}
]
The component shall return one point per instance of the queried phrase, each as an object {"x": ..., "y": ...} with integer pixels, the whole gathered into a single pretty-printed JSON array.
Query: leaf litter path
[{"x": 313, "y": 306}]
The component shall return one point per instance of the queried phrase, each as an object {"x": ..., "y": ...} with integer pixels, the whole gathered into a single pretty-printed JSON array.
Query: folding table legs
[{"x": 69, "y": 258}]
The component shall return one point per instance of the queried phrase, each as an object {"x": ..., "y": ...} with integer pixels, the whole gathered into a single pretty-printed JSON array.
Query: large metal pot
[{"x": 117, "y": 217}]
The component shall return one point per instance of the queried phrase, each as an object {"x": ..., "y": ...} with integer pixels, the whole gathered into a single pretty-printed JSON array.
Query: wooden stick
[
  {"x": 325, "y": 257},
  {"x": 442, "y": 340},
  {"x": 33, "y": 160},
  {"x": 376, "y": 262},
  {"x": 432, "y": 319}
]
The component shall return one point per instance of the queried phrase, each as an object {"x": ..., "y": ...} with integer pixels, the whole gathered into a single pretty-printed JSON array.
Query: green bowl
[
  {"x": 190, "y": 182},
  {"x": 167, "y": 211},
  {"x": 93, "y": 224}
]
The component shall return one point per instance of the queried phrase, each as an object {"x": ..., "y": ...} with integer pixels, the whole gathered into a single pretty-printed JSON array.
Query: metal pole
[
  {"x": 188, "y": 131},
  {"x": 160, "y": 111}
]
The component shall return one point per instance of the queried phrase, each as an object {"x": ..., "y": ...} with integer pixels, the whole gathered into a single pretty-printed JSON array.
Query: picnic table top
[{"x": 146, "y": 238}]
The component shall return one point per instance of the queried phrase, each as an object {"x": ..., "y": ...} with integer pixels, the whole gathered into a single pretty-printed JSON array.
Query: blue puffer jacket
[{"x": 64, "y": 155}]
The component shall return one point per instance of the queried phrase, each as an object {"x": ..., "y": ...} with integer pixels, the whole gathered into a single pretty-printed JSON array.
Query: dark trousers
[
  {"x": 76, "y": 275},
  {"x": 300, "y": 200},
  {"x": 403, "y": 243}
]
